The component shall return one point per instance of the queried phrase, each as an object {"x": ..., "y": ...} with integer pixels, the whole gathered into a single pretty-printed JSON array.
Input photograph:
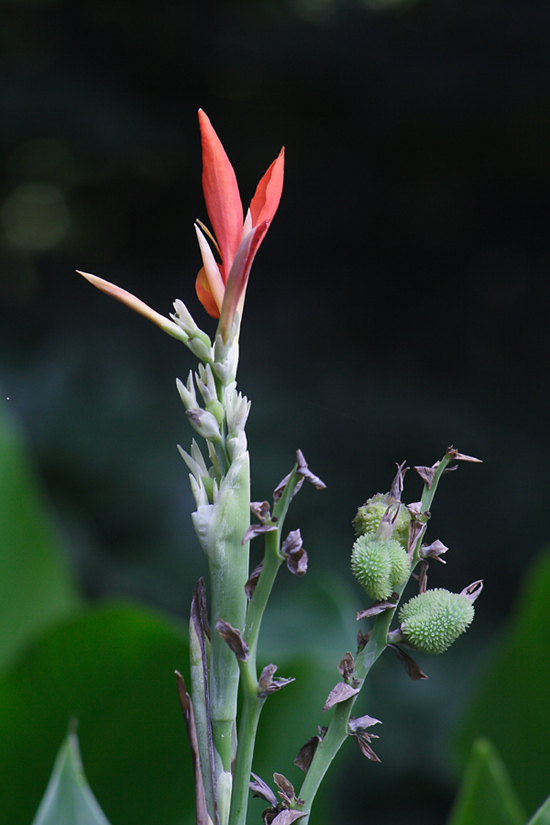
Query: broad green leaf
[
  {"x": 111, "y": 669},
  {"x": 486, "y": 793},
  {"x": 511, "y": 707},
  {"x": 68, "y": 799},
  {"x": 35, "y": 585},
  {"x": 542, "y": 816}
]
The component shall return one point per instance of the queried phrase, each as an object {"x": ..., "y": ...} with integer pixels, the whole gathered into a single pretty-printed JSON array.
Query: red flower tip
[
  {"x": 268, "y": 193},
  {"x": 221, "y": 191}
]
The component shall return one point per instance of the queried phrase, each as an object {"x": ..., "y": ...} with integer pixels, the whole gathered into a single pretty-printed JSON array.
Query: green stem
[
  {"x": 376, "y": 644},
  {"x": 271, "y": 563},
  {"x": 248, "y": 725},
  {"x": 281, "y": 507},
  {"x": 338, "y": 728},
  {"x": 256, "y": 608},
  {"x": 429, "y": 492}
]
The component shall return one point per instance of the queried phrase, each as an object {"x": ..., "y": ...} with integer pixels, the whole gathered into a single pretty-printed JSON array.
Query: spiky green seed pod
[
  {"x": 379, "y": 566},
  {"x": 370, "y": 515},
  {"x": 432, "y": 621}
]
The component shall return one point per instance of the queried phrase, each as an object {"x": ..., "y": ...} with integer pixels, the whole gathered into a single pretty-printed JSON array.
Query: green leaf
[
  {"x": 486, "y": 792},
  {"x": 68, "y": 799},
  {"x": 35, "y": 584},
  {"x": 112, "y": 669},
  {"x": 511, "y": 706},
  {"x": 542, "y": 816}
]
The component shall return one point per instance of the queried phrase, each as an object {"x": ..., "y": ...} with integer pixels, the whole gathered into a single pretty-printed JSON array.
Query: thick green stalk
[{"x": 228, "y": 560}]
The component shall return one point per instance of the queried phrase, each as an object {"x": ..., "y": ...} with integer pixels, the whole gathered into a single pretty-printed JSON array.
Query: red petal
[
  {"x": 268, "y": 193},
  {"x": 221, "y": 192},
  {"x": 205, "y": 296},
  {"x": 237, "y": 279}
]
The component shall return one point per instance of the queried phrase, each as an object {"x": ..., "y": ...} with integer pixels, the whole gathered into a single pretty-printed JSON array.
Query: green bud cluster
[
  {"x": 432, "y": 621},
  {"x": 370, "y": 515},
  {"x": 379, "y": 565}
]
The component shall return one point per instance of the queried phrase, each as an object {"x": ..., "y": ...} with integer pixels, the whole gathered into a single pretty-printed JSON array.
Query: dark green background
[{"x": 399, "y": 303}]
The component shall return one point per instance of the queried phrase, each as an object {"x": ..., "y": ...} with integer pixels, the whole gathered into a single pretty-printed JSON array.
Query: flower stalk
[{"x": 221, "y": 487}]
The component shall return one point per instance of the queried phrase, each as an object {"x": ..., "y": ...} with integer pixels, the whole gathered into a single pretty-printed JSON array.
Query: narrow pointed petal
[
  {"x": 136, "y": 304},
  {"x": 221, "y": 192},
  {"x": 237, "y": 280},
  {"x": 209, "y": 285},
  {"x": 268, "y": 192},
  {"x": 247, "y": 226},
  {"x": 204, "y": 294}
]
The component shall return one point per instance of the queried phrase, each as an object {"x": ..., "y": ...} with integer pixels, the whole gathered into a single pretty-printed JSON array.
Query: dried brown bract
[{"x": 233, "y": 638}]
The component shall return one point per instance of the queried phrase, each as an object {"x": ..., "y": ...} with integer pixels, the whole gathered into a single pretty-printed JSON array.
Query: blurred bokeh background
[{"x": 399, "y": 303}]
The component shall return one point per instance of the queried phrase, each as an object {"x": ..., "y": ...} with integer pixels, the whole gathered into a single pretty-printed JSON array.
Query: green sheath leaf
[
  {"x": 486, "y": 793},
  {"x": 542, "y": 816},
  {"x": 68, "y": 799}
]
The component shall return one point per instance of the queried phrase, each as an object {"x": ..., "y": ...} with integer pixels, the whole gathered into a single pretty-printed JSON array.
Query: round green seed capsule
[
  {"x": 370, "y": 515},
  {"x": 379, "y": 566},
  {"x": 432, "y": 621}
]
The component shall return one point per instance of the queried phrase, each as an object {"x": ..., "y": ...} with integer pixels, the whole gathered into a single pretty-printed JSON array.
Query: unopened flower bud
[
  {"x": 206, "y": 384},
  {"x": 186, "y": 322},
  {"x": 197, "y": 468},
  {"x": 370, "y": 515},
  {"x": 379, "y": 566},
  {"x": 199, "y": 491},
  {"x": 205, "y": 424},
  {"x": 200, "y": 349},
  {"x": 187, "y": 392},
  {"x": 236, "y": 445},
  {"x": 237, "y": 407},
  {"x": 226, "y": 358},
  {"x": 432, "y": 621}
]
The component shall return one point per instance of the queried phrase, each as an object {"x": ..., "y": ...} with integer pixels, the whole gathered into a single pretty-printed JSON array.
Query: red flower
[{"x": 221, "y": 286}]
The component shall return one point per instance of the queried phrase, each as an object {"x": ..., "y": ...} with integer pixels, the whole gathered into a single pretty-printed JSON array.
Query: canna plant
[{"x": 228, "y": 686}]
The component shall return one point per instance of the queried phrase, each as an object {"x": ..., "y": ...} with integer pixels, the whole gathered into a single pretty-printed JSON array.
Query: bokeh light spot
[
  {"x": 314, "y": 11},
  {"x": 35, "y": 216},
  {"x": 42, "y": 159}
]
